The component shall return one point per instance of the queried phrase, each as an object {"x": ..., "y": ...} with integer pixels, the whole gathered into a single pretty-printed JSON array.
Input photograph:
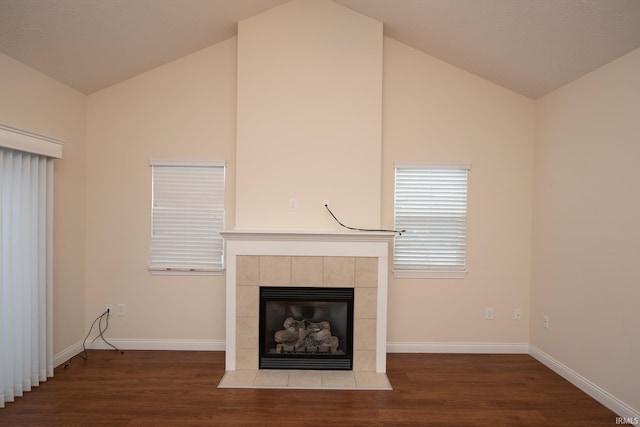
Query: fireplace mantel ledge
[{"x": 307, "y": 235}]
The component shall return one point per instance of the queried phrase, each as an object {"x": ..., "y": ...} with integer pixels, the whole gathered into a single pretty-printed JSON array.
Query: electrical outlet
[
  {"x": 122, "y": 309},
  {"x": 293, "y": 205},
  {"x": 109, "y": 308},
  {"x": 488, "y": 313},
  {"x": 517, "y": 313},
  {"x": 325, "y": 204},
  {"x": 545, "y": 321}
]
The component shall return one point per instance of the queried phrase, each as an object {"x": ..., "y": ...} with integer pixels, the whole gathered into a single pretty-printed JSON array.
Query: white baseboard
[
  {"x": 142, "y": 344},
  {"x": 132, "y": 344},
  {"x": 66, "y": 354},
  {"x": 585, "y": 385},
  {"x": 458, "y": 347}
]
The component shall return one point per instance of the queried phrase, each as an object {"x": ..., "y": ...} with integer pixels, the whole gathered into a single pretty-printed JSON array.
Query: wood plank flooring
[{"x": 179, "y": 388}]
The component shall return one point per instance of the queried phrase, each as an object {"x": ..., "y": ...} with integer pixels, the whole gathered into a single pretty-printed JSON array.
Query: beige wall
[
  {"x": 34, "y": 102},
  {"x": 309, "y": 117},
  {"x": 434, "y": 112},
  {"x": 576, "y": 187},
  {"x": 586, "y": 234},
  {"x": 185, "y": 109}
]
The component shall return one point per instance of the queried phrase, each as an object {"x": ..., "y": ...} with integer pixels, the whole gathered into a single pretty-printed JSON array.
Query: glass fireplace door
[{"x": 306, "y": 328}]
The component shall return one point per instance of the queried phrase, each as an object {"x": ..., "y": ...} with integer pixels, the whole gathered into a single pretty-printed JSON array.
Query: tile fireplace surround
[{"x": 306, "y": 258}]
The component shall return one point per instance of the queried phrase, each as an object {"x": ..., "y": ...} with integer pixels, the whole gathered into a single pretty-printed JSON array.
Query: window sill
[
  {"x": 186, "y": 273},
  {"x": 422, "y": 274}
]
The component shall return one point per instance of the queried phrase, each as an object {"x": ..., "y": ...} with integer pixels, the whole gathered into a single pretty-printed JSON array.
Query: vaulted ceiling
[{"x": 529, "y": 46}]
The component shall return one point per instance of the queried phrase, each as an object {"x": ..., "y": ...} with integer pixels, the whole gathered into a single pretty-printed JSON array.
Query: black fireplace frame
[{"x": 306, "y": 361}]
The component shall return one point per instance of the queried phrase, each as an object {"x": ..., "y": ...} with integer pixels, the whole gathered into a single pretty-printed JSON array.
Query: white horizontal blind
[
  {"x": 187, "y": 216},
  {"x": 431, "y": 205}
]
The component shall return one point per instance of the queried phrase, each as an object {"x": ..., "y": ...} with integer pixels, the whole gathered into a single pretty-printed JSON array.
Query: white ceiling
[{"x": 529, "y": 46}]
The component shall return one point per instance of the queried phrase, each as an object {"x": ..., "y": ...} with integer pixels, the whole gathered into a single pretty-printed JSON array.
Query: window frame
[
  {"x": 217, "y": 203},
  {"x": 455, "y": 270}
]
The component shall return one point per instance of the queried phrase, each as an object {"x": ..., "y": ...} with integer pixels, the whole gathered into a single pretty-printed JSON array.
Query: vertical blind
[
  {"x": 26, "y": 272},
  {"x": 431, "y": 204},
  {"x": 187, "y": 216}
]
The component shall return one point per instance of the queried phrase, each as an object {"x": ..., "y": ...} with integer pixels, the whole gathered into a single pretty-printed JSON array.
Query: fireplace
[
  {"x": 329, "y": 260},
  {"x": 306, "y": 328}
]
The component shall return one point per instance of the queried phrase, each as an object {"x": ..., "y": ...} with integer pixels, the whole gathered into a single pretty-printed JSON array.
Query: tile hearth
[{"x": 303, "y": 379}]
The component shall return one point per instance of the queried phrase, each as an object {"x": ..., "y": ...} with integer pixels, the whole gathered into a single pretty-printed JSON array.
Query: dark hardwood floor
[{"x": 174, "y": 388}]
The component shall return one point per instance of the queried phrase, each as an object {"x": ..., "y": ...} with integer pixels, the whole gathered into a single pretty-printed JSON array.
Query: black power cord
[
  {"x": 85, "y": 355},
  {"x": 381, "y": 230},
  {"x": 101, "y": 331}
]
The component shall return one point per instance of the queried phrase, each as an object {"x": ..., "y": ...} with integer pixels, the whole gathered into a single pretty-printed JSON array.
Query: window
[
  {"x": 187, "y": 215},
  {"x": 431, "y": 205}
]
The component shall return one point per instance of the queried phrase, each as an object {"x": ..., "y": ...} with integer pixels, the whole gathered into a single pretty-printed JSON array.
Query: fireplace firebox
[{"x": 306, "y": 328}]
